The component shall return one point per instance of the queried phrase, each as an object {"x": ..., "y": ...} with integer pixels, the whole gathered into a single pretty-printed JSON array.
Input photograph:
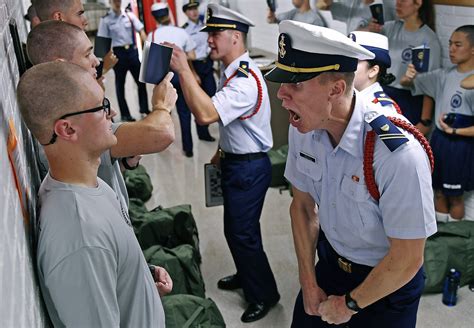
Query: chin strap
[
  {"x": 260, "y": 93},
  {"x": 369, "y": 153}
]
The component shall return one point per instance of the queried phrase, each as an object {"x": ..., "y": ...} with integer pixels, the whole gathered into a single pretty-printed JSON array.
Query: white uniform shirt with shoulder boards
[
  {"x": 119, "y": 27},
  {"x": 172, "y": 34},
  {"x": 444, "y": 86},
  {"x": 199, "y": 38},
  {"x": 355, "y": 224},
  {"x": 91, "y": 268},
  {"x": 400, "y": 43},
  {"x": 238, "y": 99}
]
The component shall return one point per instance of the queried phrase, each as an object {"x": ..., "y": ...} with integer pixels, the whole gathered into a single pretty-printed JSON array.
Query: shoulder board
[
  {"x": 391, "y": 135},
  {"x": 382, "y": 98},
  {"x": 107, "y": 14},
  {"x": 185, "y": 25},
  {"x": 243, "y": 70}
]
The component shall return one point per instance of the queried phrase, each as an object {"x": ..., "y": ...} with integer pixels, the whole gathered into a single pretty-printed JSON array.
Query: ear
[
  {"x": 374, "y": 71},
  {"x": 235, "y": 37},
  {"x": 338, "y": 89},
  {"x": 57, "y": 15},
  {"x": 65, "y": 130}
]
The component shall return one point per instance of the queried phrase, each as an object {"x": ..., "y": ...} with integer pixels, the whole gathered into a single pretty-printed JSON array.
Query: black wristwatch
[
  {"x": 152, "y": 270},
  {"x": 125, "y": 164},
  {"x": 426, "y": 122},
  {"x": 351, "y": 303}
]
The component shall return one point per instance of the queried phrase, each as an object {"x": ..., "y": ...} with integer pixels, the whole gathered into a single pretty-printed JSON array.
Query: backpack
[
  {"x": 451, "y": 247},
  {"x": 182, "y": 266},
  {"x": 138, "y": 183},
  {"x": 186, "y": 311},
  {"x": 168, "y": 227}
]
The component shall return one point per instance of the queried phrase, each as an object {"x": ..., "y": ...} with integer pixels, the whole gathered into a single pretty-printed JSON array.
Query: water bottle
[{"x": 451, "y": 285}]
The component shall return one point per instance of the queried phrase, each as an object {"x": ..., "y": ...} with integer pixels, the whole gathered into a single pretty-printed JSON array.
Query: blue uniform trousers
[
  {"x": 128, "y": 61},
  {"x": 244, "y": 185},
  {"x": 396, "y": 310},
  {"x": 184, "y": 115}
]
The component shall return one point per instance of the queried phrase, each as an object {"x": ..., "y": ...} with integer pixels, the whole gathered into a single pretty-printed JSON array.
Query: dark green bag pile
[
  {"x": 138, "y": 183},
  {"x": 451, "y": 247},
  {"x": 278, "y": 160},
  {"x": 186, "y": 311},
  {"x": 182, "y": 266},
  {"x": 168, "y": 227}
]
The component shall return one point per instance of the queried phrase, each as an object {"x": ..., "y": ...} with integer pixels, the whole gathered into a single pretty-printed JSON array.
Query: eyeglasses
[{"x": 105, "y": 107}]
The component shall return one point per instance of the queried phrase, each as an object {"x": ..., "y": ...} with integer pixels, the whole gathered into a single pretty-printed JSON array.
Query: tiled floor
[{"x": 178, "y": 180}]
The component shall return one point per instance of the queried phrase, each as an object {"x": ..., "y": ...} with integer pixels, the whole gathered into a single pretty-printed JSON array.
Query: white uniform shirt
[
  {"x": 119, "y": 28},
  {"x": 199, "y": 38},
  {"x": 237, "y": 99},
  {"x": 354, "y": 223},
  {"x": 172, "y": 34},
  {"x": 444, "y": 86}
]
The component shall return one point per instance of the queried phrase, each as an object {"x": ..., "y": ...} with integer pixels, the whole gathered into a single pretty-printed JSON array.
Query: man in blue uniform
[
  {"x": 203, "y": 64},
  {"x": 370, "y": 249},
  {"x": 121, "y": 27},
  {"x": 242, "y": 109}
]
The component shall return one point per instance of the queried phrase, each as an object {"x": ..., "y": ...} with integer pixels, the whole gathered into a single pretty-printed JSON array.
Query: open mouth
[{"x": 294, "y": 118}]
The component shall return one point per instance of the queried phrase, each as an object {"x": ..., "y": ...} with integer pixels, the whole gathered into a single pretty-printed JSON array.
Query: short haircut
[
  {"x": 51, "y": 40},
  {"x": 469, "y": 30},
  {"x": 31, "y": 13},
  {"x": 46, "y": 8},
  {"x": 348, "y": 77},
  {"x": 49, "y": 90}
]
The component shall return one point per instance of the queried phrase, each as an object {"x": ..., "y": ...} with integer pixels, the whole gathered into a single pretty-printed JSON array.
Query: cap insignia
[{"x": 282, "y": 44}]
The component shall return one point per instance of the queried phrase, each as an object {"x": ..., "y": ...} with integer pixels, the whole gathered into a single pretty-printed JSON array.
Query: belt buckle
[
  {"x": 126, "y": 46},
  {"x": 221, "y": 153},
  {"x": 345, "y": 266}
]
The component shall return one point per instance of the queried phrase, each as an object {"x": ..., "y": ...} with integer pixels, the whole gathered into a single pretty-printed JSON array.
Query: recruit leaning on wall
[{"x": 20, "y": 304}]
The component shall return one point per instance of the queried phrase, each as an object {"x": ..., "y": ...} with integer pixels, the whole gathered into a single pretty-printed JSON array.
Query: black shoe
[
  {"x": 128, "y": 119},
  {"x": 256, "y": 311},
  {"x": 229, "y": 283},
  {"x": 208, "y": 138},
  {"x": 146, "y": 112},
  {"x": 188, "y": 153}
]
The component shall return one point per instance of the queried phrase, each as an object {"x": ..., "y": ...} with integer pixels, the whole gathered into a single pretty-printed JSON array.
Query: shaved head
[
  {"x": 52, "y": 40},
  {"x": 46, "y": 8},
  {"x": 48, "y": 91}
]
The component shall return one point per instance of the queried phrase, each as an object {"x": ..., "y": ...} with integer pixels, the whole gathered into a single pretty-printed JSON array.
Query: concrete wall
[{"x": 20, "y": 304}]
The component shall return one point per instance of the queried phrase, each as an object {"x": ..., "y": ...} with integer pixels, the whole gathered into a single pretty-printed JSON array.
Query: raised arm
[{"x": 155, "y": 132}]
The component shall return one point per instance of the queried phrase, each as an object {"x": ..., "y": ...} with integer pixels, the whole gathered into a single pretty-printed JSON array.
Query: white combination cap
[
  {"x": 376, "y": 43},
  {"x": 220, "y": 18},
  {"x": 306, "y": 50}
]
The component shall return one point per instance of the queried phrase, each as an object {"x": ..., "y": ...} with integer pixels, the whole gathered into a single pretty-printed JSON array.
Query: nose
[
  {"x": 112, "y": 113},
  {"x": 95, "y": 61},
  {"x": 283, "y": 91}
]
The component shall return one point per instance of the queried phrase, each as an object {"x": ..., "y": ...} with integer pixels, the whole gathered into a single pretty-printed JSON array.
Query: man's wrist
[
  {"x": 352, "y": 303},
  {"x": 163, "y": 108},
  {"x": 454, "y": 131}
]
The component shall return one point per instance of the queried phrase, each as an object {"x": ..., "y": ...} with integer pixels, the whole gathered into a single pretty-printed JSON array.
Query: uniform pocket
[
  {"x": 355, "y": 189},
  {"x": 314, "y": 172}
]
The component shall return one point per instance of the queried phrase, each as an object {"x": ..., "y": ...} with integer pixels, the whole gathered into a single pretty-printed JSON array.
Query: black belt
[
  {"x": 125, "y": 47},
  {"x": 241, "y": 157},
  {"x": 327, "y": 253},
  {"x": 200, "y": 60}
]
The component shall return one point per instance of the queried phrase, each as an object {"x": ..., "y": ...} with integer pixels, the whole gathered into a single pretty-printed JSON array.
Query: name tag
[{"x": 308, "y": 157}]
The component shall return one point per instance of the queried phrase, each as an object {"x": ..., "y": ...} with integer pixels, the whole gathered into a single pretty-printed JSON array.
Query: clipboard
[{"x": 212, "y": 184}]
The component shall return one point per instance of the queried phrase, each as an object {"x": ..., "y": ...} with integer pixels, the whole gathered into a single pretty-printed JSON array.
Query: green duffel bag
[
  {"x": 451, "y": 247},
  {"x": 278, "y": 161},
  {"x": 138, "y": 183},
  {"x": 182, "y": 266},
  {"x": 186, "y": 311},
  {"x": 169, "y": 227}
]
